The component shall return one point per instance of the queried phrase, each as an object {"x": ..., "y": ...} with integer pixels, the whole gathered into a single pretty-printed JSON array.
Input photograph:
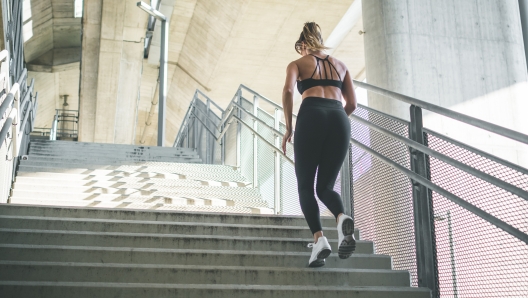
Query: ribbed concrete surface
[
  {"x": 130, "y": 233},
  {"x": 91, "y": 252},
  {"x": 78, "y": 174}
]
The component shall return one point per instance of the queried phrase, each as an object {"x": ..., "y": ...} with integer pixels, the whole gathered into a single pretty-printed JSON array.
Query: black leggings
[{"x": 321, "y": 142}]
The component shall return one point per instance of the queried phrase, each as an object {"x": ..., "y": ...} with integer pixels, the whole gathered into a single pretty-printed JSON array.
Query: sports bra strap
[{"x": 330, "y": 66}]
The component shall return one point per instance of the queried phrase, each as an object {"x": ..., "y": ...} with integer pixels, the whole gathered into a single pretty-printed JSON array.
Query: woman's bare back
[{"x": 312, "y": 67}]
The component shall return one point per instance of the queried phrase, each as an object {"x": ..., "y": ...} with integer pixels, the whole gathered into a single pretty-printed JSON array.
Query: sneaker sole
[
  {"x": 320, "y": 261},
  {"x": 348, "y": 245}
]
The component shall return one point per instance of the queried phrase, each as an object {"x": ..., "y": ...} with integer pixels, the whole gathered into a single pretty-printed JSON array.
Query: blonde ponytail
[{"x": 312, "y": 37}]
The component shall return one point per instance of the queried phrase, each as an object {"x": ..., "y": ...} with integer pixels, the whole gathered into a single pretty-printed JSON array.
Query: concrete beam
[{"x": 90, "y": 67}]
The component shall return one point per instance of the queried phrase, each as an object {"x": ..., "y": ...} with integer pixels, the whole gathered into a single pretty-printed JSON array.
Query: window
[{"x": 78, "y": 8}]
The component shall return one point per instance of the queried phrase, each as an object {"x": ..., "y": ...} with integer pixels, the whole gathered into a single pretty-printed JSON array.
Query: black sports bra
[{"x": 311, "y": 82}]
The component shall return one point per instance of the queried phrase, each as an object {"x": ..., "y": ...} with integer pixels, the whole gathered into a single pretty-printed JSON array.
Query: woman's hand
[{"x": 287, "y": 138}]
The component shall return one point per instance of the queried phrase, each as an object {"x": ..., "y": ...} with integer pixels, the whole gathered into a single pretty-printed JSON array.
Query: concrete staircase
[
  {"x": 48, "y": 251},
  {"x": 97, "y": 220},
  {"x": 78, "y": 174}
]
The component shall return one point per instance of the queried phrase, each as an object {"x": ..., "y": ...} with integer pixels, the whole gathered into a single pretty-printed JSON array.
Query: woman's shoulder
[{"x": 338, "y": 62}]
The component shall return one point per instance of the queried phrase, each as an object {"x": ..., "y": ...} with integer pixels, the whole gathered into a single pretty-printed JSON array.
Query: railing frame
[
  {"x": 422, "y": 208},
  {"x": 418, "y": 174}
]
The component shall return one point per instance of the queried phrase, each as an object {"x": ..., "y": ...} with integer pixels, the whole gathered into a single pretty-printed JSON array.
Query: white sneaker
[
  {"x": 346, "y": 240},
  {"x": 320, "y": 251}
]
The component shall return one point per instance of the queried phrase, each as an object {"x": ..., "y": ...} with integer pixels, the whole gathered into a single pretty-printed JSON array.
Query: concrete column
[
  {"x": 465, "y": 55},
  {"x": 89, "y": 68},
  {"x": 523, "y": 8},
  {"x": 111, "y": 70}
]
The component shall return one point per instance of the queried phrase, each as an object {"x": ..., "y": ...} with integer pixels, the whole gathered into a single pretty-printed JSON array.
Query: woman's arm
[
  {"x": 292, "y": 73},
  {"x": 349, "y": 94}
]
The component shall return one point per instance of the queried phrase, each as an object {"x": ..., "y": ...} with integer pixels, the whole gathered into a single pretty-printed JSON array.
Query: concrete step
[
  {"x": 188, "y": 168},
  {"x": 77, "y": 146},
  {"x": 97, "y": 160},
  {"x": 194, "y": 196},
  {"x": 127, "y": 171},
  {"x": 104, "y": 158},
  {"x": 198, "y": 274},
  {"x": 150, "y": 203},
  {"x": 124, "y": 188},
  {"x": 104, "y": 290},
  {"x": 146, "y": 188},
  {"x": 127, "y": 205},
  {"x": 117, "y": 152},
  {"x": 134, "y": 255},
  {"x": 22, "y": 181},
  {"x": 65, "y": 164},
  {"x": 88, "y": 146},
  {"x": 39, "y": 178},
  {"x": 166, "y": 216},
  {"x": 105, "y": 145},
  {"x": 129, "y": 201},
  {"x": 178, "y": 241},
  {"x": 109, "y": 155},
  {"x": 161, "y": 227}
]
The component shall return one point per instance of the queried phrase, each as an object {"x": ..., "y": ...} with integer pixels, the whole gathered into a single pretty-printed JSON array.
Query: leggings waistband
[{"x": 321, "y": 102}]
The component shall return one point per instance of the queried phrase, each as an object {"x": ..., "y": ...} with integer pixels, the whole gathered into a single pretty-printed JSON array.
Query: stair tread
[
  {"x": 214, "y": 286},
  {"x": 177, "y": 250},
  {"x": 161, "y": 235},
  {"x": 198, "y": 267},
  {"x": 157, "y": 223}
]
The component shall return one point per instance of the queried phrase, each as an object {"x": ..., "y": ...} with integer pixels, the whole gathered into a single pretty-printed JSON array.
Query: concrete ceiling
[
  {"x": 52, "y": 51},
  {"x": 216, "y": 45}
]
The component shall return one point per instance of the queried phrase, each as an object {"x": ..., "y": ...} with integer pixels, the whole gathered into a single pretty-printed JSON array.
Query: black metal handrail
[{"x": 503, "y": 131}]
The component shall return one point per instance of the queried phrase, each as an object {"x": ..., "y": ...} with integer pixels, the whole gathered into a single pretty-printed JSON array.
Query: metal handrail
[
  {"x": 453, "y": 198},
  {"x": 263, "y": 139},
  {"x": 231, "y": 116},
  {"x": 9, "y": 99},
  {"x": 185, "y": 120},
  {"x": 274, "y": 104},
  {"x": 477, "y": 173},
  {"x": 478, "y": 151},
  {"x": 512, "y": 134},
  {"x": 221, "y": 127},
  {"x": 210, "y": 100},
  {"x": 53, "y": 132},
  {"x": 276, "y": 132}
]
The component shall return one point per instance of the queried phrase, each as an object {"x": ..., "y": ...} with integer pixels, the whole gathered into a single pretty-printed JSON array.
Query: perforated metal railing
[
  {"x": 456, "y": 217},
  {"x": 383, "y": 209},
  {"x": 475, "y": 258},
  {"x": 251, "y": 126}
]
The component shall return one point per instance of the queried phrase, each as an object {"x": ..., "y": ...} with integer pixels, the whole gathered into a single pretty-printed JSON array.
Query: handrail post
[
  {"x": 423, "y": 210},
  {"x": 222, "y": 141},
  {"x": 345, "y": 184},
  {"x": 277, "y": 165},
  {"x": 208, "y": 151},
  {"x": 255, "y": 141},
  {"x": 239, "y": 131}
]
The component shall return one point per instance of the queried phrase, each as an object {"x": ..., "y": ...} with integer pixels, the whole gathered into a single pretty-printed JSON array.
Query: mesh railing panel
[
  {"x": 289, "y": 192},
  {"x": 246, "y": 143},
  {"x": 197, "y": 137},
  {"x": 382, "y": 196},
  {"x": 266, "y": 159},
  {"x": 474, "y": 257}
]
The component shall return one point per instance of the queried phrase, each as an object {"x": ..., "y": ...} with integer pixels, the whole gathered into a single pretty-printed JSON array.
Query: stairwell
[{"x": 129, "y": 221}]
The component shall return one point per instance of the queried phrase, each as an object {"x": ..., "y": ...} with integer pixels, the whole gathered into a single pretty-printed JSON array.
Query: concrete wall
[
  {"x": 50, "y": 87},
  {"x": 111, "y": 70},
  {"x": 461, "y": 54}
]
